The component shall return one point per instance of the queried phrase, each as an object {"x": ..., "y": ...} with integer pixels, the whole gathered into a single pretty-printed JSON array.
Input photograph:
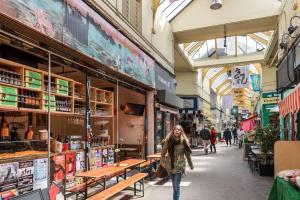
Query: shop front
[
  {"x": 72, "y": 89},
  {"x": 167, "y": 106}
]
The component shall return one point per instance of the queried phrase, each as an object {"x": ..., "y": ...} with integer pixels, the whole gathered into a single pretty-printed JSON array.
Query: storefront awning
[{"x": 291, "y": 103}]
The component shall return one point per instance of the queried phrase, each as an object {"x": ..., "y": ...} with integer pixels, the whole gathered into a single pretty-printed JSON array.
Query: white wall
[
  {"x": 131, "y": 127},
  {"x": 268, "y": 78},
  {"x": 188, "y": 83}
]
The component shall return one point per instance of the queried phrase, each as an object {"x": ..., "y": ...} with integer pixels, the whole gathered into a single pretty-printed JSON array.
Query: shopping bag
[{"x": 161, "y": 172}]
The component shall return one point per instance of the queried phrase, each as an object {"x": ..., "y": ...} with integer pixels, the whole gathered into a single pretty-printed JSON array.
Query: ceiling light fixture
[{"x": 216, "y": 4}]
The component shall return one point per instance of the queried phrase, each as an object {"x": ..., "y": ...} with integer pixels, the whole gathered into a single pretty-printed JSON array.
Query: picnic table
[{"x": 97, "y": 176}]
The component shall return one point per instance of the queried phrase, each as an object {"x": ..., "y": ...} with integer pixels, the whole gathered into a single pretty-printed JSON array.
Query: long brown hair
[
  {"x": 183, "y": 136},
  {"x": 172, "y": 142}
]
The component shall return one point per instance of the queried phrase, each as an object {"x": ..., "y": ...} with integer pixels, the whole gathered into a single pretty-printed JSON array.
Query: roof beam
[
  {"x": 224, "y": 70},
  {"x": 258, "y": 38},
  {"x": 195, "y": 47},
  {"x": 221, "y": 85},
  {"x": 240, "y": 22},
  {"x": 230, "y": 60},
  {"x": 226, "y": 90}
]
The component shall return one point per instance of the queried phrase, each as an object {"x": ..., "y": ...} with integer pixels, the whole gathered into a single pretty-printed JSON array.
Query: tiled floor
[{"x": 219, "y": 176}]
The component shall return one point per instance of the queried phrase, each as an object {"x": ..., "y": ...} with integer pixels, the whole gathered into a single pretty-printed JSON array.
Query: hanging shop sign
[
  {"x": 255, "y": 79},
  {"x": 164, "y": 80},
  {"x": 270, "y": 98},
  {"x": 76, "y": 25},
  {"x": 269, "y": 102},
  {"x": 192, "y": 103},
  {"x": 240, "y": 77},
  {"x": 235, "y": 110}
]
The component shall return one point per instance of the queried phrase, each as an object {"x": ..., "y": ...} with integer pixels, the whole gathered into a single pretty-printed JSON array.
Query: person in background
[
  {"x": 177, "y": 146},
  {"x": 227, "y": 136},
  {"x": 235, "y": 137},
  {"x": 240, "y": 134},
  {"x": 213, "y": 137},
  {"x": 205, "y": 136}
]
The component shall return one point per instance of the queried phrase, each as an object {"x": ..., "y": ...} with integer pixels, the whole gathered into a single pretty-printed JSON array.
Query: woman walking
[
  {"x": 213, "y": 138},
  {"x": 176, "y": 147}
]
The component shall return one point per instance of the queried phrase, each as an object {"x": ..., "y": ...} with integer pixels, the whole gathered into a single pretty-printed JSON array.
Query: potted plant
[{"x": 266, "y": 137}]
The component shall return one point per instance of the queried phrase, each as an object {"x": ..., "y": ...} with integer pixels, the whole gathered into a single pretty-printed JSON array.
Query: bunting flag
[
  {"x": 291, "y": 103},
  {"x": 240, "y": 77},
  {"x": 255, "y": 78}
]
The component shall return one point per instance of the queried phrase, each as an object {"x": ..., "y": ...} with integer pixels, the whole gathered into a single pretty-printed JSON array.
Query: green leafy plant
[{"x": 267, "y": 136}]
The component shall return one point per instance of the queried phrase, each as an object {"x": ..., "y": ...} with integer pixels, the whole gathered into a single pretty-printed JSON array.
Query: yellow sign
[{"x": 271, "y": 100}]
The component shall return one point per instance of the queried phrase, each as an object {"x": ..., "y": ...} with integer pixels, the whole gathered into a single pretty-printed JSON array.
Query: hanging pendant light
[{"x": 216, "y": 4}]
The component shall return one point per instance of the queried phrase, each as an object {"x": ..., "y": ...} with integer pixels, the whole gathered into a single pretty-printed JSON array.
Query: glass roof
[
  {"x": 171, "y": 8},
  {"x": 228, "y": 46}
]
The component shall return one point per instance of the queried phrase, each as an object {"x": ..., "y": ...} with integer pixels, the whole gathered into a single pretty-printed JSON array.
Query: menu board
[
  {"x": 9, "y": 176},
  {"x": 25, "y": 176},
  {"x": 40, "y": 174}
]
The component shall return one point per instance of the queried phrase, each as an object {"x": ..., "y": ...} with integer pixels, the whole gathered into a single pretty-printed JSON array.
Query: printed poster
[
  {"x": 58, "y": 168},
  {"x": 25, "y": 176},
  {"x": 40, "y": 175},
  {"x": 8, "y": 194},
  {"x": 80, "y": 163},
  {"x": 70, "y": 169},
  {"x": 110, "y": 156},
  {"x": 104, "y": 157},
  {"x": 240, "y": 77},
  {"x": 9, "y": 176},
  {"x": 98, "y": 158}
]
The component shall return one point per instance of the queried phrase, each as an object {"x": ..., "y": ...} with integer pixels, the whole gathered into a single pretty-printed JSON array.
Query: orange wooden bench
[
  {"x": 113, "y": 190},
  {"x": 80, "y": 188}
]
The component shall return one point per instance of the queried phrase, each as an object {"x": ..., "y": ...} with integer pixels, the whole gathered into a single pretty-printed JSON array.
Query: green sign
[
  {"x": 8, "y": 96},
  {"x": 62, "y": 86},
  {"x": 235, "y": 110},
  {"x": 33, "y": 80},
  {"x": 268, "y": 102}
]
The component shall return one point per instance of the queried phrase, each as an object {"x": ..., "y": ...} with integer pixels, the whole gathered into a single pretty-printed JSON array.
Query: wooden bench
[
  {"x": 80, "y": 188},
  {"x": 113, "y": 190}
]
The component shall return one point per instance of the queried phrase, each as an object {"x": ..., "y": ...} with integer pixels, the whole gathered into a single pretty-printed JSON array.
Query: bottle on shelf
[{"x": 29, "y": 133}]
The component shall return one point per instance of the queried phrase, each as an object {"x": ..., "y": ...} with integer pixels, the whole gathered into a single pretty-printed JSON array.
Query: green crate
[
  {"x": 62, "y": 86},
  {"x": 52, "y": 102},
  {"x": 33, "y": 80},
  {"x": 8, "y": 96}
]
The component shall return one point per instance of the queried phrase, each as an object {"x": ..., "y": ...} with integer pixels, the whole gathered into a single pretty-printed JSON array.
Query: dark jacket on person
[
  {"x": 227, "y": 134},
  {"x": 205, "y": 134}
]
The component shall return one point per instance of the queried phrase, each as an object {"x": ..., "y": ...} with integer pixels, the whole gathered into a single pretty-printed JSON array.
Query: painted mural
[{"x": 75, "y": 24}]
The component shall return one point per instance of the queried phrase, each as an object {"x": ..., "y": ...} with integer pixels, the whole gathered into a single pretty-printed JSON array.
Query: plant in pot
[{"x": 267, "y": 136}]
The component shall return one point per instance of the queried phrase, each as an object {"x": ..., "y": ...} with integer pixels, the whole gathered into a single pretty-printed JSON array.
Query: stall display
[{"x": 23, "y": 153}]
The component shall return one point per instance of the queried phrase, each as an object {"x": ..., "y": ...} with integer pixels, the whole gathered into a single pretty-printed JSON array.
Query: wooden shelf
[
  {"x": 106, "y": 104},
  {"x": 97, "y": 98}
]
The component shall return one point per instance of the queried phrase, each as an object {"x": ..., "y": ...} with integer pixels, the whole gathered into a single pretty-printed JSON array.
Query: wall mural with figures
[{"x": 75, "y": 24}]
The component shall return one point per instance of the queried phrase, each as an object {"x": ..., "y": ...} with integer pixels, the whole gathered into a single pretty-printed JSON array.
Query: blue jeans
[{"x": 176, "y": 179}]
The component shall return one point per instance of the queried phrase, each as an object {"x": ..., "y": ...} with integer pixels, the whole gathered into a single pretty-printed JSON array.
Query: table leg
[{"x": 86, "y": 188}]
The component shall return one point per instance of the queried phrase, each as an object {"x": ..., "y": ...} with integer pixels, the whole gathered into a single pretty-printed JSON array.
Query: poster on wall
[
  {"x": 40, "y": 175},
  {"x": 70, "y": 169},
  {"x": 57, "y": 168},
  {"x": 110, "y": 156},
  {"x": 240, "y": 77},
  {"x": 104, "y": 157},
  {"x": 98, "y": 158},
  {"x": 25, "y": 176},
  {"x": 80, "y": 164},
  {"x": 76, "y": 25},
  {"x": 9, "y": 176}
]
